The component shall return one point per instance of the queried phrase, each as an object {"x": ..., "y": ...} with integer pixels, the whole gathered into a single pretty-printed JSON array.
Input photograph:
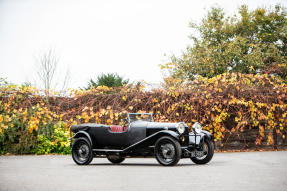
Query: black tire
[
  {"x": 82, "y": 151},
  {"x": 206, "y": 158},
  {"x": 115, "y": 159},
  {"x": 167, "y": 151}
]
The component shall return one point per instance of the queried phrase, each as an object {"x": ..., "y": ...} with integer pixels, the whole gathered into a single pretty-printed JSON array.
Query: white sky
[{"x": 100, "y": 36}]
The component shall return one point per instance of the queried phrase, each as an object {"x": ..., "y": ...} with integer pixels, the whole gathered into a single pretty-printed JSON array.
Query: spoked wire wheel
[
  {"x": 205, "y": 150},
  {"x": 167, "y": 151},
  {"x": 82, "y": 152},
  {"x": 208, "y": 149}
]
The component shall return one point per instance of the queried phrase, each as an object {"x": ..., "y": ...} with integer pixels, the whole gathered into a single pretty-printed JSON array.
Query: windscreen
[{"x": 140, "y": 117}]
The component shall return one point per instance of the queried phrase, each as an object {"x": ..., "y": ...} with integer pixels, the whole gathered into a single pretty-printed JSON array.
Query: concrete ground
[{"x": 227, "y": 171}]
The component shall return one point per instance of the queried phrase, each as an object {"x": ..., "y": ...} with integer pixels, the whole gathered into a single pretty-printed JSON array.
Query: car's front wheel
[
  {"x": 115, "y": 159},
  {"x": 167, "y": 151},
  {"x": 208, "y": 149},
  {"x": 82, "y": 151}
]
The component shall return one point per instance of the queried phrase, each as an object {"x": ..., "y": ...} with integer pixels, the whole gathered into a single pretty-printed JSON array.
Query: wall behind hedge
[{"x": 241, "y": 111}]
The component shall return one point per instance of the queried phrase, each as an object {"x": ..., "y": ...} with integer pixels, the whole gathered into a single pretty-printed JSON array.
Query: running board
[
  {"x": 107, "y": 150},
  {"x": 117, "y": 151}
]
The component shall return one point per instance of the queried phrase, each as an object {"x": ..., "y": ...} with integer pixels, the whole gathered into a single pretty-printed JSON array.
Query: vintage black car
[{"x": 142, "y": 137}]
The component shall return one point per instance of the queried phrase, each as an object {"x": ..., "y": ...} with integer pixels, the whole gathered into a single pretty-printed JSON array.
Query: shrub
[
  {"x": 227, "y": 105},
  {"x": 109, "y": 80},
  {"x": 57, "y": 143},
  {"x": 27, "y": 123}
]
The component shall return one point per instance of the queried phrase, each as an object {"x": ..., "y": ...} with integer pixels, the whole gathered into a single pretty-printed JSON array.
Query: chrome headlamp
[
  {"x": 197, "y": 127},
  {"x": 180, "y": 128}
]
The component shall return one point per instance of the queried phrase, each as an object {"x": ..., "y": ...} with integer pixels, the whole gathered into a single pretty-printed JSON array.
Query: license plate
[{"x": 196, "y": 154}]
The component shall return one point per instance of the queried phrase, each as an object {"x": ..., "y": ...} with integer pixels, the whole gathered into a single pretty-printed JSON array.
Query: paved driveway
[{"x": 227, "y": 171}]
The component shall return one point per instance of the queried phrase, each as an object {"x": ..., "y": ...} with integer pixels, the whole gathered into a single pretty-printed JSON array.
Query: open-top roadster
[{"x": 141, "y": 136}]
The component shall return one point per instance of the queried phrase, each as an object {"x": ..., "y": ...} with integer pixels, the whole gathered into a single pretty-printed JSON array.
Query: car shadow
[{"x": 135, "y": 164}]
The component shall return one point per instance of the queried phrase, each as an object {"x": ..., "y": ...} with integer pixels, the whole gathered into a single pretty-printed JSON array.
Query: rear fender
[{"x": 83, "y": 134}]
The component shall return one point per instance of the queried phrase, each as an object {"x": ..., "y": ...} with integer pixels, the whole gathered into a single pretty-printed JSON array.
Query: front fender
[
  {"x": 195, "y": 139},
  {"x": 173, "y": 134},
  {"x": 83, "y": 134},
  {"x": 207, "y": 134}
]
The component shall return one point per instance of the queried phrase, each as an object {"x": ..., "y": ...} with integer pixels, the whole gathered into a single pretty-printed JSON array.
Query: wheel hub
[
  {"x": 83, "y": 151},
  {"x": 168, "y": 151}
]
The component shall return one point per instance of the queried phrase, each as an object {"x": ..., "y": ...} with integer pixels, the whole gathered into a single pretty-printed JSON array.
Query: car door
[{"x": 105, "y": 138}]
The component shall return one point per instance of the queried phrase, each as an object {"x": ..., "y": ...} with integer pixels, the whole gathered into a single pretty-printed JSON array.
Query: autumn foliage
[{"x": 228, "y": 105}]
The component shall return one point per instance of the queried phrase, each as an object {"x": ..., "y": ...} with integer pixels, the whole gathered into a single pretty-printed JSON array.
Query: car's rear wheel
[
  {"x": 115, "y": 159},
  {"x": 167, "y": 151},
  {"x": 82, "y": 151},
  {"x": 208, "y": 148}
]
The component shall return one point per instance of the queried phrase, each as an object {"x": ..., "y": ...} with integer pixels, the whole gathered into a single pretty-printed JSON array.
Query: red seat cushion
[{"x": 116, "y": 128}]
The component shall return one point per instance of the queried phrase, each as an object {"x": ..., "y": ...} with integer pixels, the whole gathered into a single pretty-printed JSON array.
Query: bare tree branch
[
  {"x": 47, "y": 65},
  {"x": 66, "y": 81}
]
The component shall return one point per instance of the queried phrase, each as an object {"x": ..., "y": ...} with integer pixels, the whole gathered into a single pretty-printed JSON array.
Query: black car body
[{"x": 141, "y": 136}]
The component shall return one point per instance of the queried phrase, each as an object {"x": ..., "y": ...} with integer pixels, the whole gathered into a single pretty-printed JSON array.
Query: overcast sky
[{"x": 100, "y": 36}]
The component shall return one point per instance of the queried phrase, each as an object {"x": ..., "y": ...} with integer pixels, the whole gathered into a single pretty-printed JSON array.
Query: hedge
[{"x": 244, "y": 108}]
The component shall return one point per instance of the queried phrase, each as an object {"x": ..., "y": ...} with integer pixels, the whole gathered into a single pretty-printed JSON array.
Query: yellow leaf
[
  {"x": 176, "y": 93},
  {"x": 109, "y": 122},
  {"x": 269, "y": 139},
  {"x": 252, "y": 68},
  {"x": 111, "y": 115}
]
